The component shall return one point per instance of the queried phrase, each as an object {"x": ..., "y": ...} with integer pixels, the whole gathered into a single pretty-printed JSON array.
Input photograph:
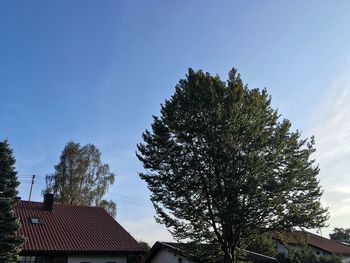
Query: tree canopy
[
  {"x": 222, "y": 165},
  {"x": 341, "y": 234},
  {"x": 263, "y": 244},
  {"x": 10, "y": 242},
  {"x": 145, "y": 246},
  {"x": 109, "y": 206},
  {"x": 81, "y": 178}
]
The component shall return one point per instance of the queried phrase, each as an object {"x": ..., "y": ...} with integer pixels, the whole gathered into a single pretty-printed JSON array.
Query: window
[
  {"x": 27, "y": 259},
  {"x": 43, "y": 259},
  {"x": 35, "y": 220}
]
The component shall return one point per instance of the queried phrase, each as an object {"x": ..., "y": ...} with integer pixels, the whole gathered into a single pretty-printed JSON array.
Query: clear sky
[{"x": 96, "y": 71}]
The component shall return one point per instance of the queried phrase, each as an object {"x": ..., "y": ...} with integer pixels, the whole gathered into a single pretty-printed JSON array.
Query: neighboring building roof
[
  {"x": 170, "y": 246},
  {"x": 331, "y": 246},
  {"x": 176, "y": 247},
  {"x": 72, "y": 229}
]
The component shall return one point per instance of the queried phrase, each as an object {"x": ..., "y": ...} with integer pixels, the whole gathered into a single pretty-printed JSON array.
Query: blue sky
[{"x": 96, "y": 71}]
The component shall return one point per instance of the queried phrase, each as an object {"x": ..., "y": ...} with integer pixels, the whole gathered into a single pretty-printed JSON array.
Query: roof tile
[
  {"x": 326, "y": 244},
  {"x": 72, "y": 228}
]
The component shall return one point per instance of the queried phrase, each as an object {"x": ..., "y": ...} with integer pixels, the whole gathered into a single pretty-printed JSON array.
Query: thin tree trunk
[{"x": 229, "y": 257}]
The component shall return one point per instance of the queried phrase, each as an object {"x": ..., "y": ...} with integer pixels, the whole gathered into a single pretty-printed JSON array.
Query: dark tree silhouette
[
  {"x": 221, "y": 165},
  {"x": 10, "y": 242}
]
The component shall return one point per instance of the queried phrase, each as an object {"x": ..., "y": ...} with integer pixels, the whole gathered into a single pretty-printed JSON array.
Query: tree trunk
[{"x": 229, "y": 256}]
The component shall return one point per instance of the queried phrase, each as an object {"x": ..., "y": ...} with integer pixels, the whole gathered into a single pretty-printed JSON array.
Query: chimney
[{"x": 48, "y": 202}]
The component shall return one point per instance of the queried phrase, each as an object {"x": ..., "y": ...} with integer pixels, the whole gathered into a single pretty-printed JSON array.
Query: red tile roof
[
  {"x": 326, "y": 244},
  {"x": 72, "y": 229}
]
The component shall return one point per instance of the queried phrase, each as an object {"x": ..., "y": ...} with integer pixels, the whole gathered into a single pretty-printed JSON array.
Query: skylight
[{"x": 35, "y": 220}]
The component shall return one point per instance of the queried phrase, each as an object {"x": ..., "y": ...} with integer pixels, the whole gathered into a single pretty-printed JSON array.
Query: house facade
[
  {"x": 73, "y": 259},
  {"x": 170, "y": 252},
  {"x": 59, "y": 233}
]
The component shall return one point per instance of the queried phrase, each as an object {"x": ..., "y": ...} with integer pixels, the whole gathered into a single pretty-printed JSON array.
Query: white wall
[
  {"x": 346, "y": 259},
  {"x": 96, "y": 259},
  {"x": 164, "y": 256},
  {"x": 315, "y": 250},
  {"x": 282, "y": 249}
]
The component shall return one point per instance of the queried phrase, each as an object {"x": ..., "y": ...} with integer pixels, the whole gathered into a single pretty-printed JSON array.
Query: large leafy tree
[
  {"x": 10, "y": 242},
  {"x": 222, "y": 165},
  {"x": 341, "y": 234},
  {"x": 81, "y": 178}
]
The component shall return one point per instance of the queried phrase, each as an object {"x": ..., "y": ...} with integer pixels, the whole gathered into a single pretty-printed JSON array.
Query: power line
[
  {"x": 131, "y": 198},
  {"x": 125, "y": 199},
  {"x": 132, "y": 203}
]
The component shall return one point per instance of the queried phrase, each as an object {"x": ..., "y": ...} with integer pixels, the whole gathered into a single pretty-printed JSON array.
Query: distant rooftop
[{"x": 331, "y": 246}]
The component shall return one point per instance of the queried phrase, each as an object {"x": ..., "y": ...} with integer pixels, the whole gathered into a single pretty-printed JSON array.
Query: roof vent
[{"x": 48, "y": 202}]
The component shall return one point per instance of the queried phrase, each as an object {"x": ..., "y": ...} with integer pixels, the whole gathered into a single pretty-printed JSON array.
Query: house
[
  {"x": 319, "y": 245},
  {"x": 168, "y": 252},
  {"x": 171, "y": 252},
  {"x": 59, "y": 233}
]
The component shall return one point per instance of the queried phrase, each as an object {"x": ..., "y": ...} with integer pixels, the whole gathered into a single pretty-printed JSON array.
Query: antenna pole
[{"x": 31, "y": 187}]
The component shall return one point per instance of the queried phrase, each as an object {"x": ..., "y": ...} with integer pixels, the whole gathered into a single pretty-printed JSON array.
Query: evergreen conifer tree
[{"x": 10, "y": 242}]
